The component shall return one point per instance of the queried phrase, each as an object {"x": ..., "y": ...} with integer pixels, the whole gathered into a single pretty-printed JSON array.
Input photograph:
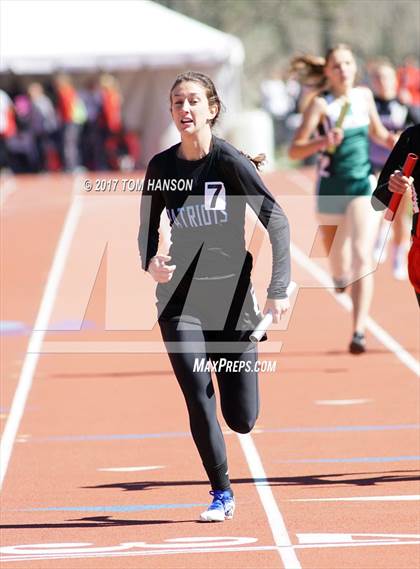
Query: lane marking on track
[
  {"x": 274, "y": 516},
  {"x": 403, "y": 498},
  {"x": 39, "y": 331},
  {"x": 139, "y": 436},
  {"x": 22, "y": 438},
  {"x": 354, "y": 459},
  {"x": 13, "y": 327},
  {"x": 342, "y": 401},
  {"x": 344, "y": 300},
  {"x": 130, "y": 468},
  {"x": 6, "y": 189},
  {"x": 125, "y": 508},
  {"x": 338, "y": 428},
  {"x": 189, "y": 545},
  {"x": 355, "y": 539},
  {"x": 119, "y": 437},
  {"x": 131, "y": 347}
]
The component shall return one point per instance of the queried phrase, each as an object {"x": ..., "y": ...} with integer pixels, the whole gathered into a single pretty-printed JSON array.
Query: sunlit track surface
[{"x": 102, "y": 465}]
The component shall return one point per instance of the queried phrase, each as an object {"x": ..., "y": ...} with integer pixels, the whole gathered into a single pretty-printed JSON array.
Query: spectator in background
[
  {"x": 278, "y": 99},
  {"x": 409, "y": 85},
  {"x": 395, "y": 116},
  {"x": 44, "y": 125},
  {"x": 92, "y": 146},
  {"x": 110, "y": 120},
  {"x": 66, "y": 129},
  {"x": 21, "y": 146},
  {"x": 111, "y": 103},
  {"x": 72, "y": 115},
  {"x": 8, "y": 128}
]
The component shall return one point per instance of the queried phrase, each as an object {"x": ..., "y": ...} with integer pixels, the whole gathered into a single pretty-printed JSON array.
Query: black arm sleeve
[
  {"x": 151, "y": 207},
  {"x": 382, "y": 196},
  {"x": 245, "y": 181}
]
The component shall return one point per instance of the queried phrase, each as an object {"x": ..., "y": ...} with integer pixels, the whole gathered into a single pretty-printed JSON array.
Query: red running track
[{"x": 102, "y": 465}]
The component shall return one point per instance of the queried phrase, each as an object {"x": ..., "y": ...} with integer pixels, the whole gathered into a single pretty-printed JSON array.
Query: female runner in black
[
  {"x": 392, "y": 180},
  {"x": 206, "y": 304}
]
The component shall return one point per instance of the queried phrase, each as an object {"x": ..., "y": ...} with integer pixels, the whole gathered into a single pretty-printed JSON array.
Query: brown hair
[
  {"x": 310, "y": 69},
  {"x": 257, "y": 160},
  {"x": 205, "y": 81},
  {"x": 379, "y": 63},
  {"x": 214, "y": 100}
]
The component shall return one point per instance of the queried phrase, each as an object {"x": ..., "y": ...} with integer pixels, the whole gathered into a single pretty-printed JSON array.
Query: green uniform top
[{"x": 345, "y": 173}]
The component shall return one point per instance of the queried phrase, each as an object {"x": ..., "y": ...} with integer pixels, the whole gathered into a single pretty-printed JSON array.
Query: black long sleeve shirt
[
  {"x": 205, "y": 201},
  {"x": 408, "y": 142}
]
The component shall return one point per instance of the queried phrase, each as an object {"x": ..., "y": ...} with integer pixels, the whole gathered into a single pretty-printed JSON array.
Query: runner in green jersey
[{"x": 337, "y": 124}]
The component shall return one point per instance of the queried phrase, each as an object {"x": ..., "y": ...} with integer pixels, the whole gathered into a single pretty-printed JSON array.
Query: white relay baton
[{"x": 263, "y": 325}]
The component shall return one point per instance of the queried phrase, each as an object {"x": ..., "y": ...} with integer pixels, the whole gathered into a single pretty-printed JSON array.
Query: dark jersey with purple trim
[
  {"x": 395, "y": 116},
  {"x": 205, "y": 201}
]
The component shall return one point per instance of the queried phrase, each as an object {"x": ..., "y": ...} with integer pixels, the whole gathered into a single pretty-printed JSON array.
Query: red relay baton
[{"x": 408, "y": 167}]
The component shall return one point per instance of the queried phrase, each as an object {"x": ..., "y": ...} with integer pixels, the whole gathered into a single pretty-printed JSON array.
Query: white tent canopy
[
  {"x": 144, "y": 44},
  {"x": 41, "y": 36}
]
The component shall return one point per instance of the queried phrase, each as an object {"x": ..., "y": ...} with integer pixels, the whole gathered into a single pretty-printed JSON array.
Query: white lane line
[
  {"x": 38, "y": 333},
  {"x": 342, "y": 401},
  {"x": 403, "y": 498},
  {"x": 275, "y": 519},
  {"x": 6, "y": 189},
  {"x": 344, "y": 300},
  {"x": 306, "y": 541},
  {"x": 130, "y": 468},
  {"x": 355, "y": 539},
  {"x": 133, "y": 347}
]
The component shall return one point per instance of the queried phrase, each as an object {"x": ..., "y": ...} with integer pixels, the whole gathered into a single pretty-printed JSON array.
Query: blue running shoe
[{"x": 221, "y": 508}]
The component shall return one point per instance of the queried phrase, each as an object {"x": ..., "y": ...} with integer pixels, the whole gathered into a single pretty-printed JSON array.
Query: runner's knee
[
  {"x": 362, "y": 262},
  {"x": 241, "y": 425}
]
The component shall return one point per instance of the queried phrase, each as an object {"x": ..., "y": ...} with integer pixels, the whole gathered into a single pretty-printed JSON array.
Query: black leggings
[{"x": 238, "y": 390}]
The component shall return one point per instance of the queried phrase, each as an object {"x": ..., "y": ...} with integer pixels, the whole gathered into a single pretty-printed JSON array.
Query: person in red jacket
[
  {"x": 111, "y": 103},
  {"x": 110, "y": 122},
  {"x": 7, "y": 127},
  {"x": 409, "y": 85},
  {"x": 72, "y": 114}
]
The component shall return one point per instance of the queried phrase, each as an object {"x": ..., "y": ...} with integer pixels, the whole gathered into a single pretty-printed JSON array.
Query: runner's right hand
[
  {"x": 398, "y": 183},
  {"x": 160, "y": 271},
  {"x": 334, "y": 137}
]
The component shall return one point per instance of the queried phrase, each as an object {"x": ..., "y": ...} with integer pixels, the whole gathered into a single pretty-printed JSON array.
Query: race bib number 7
[{"x": 214, "y": 196}]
